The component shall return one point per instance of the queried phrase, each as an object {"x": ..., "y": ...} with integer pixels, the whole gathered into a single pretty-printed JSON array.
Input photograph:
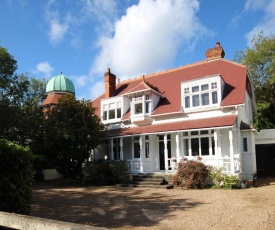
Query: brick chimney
[
  {"x": 110, "y": 83},
  {"x": 215, "y": 53}
]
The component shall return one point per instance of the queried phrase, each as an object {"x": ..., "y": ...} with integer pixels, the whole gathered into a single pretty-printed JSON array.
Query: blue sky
[{"x": 132, "y": 37}]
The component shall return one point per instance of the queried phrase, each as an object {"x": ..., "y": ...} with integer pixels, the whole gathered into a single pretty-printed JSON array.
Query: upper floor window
[
  {"x": 200, "y": 95},
  {"x": 111, "y": 110},
  {"x": 141, "y": 105}
]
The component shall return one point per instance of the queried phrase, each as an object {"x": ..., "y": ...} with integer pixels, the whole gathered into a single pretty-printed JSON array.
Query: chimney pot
[{"x": 215, "y": 53}]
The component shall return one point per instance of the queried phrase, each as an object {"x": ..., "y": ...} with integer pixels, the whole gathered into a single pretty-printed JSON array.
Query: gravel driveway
[{"x": 158, "y": 208}]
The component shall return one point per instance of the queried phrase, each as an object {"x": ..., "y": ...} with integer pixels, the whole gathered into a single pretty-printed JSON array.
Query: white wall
[{"x": 266, "y": 136}]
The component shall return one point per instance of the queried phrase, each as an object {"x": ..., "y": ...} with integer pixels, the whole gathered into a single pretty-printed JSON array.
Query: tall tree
[
  {"x": 20, "y": 97},
  {"x": 260, "y": 59},
  {"x": 71, "y": 131}
]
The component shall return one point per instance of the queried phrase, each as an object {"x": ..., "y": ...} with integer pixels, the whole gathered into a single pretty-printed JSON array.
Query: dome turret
[{"x": 60, "y": 84}]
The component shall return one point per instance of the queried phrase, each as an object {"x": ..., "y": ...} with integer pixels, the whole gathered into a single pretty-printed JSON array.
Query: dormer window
[
  {"x": 141, "y": 105},
  {"x": 111, "y": 111},
  {"x": 202, "y": 93}
]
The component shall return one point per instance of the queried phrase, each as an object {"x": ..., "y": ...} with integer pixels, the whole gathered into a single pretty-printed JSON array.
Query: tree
[
  {"x": 20, "y": 97},
  {"x": 260, "y": 59},
  {"x": 71, "y": 131}
]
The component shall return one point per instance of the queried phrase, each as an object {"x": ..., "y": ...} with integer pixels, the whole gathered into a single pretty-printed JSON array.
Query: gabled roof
[
  {"x": 168, "y": 83},
  {"x": 223, "y": 121}
]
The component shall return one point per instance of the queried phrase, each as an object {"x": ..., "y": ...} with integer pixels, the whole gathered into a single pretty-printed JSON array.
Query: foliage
[
  {"x": 71, "y": 131},
  {"x": 20, "y": 97},
  {"x": 260, "y": 59},
  {"x": 192, "y": 174},
  {"x": 16, "y": 178},
  {"x": 103, "y": 172},
  {"x": 221, "y": 180}
]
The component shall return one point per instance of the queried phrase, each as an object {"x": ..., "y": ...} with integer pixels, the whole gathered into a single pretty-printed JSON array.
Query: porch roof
[{"x": 223, "y": 121}]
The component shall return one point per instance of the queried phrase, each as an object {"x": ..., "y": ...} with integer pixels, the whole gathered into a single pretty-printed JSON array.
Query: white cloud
[
  {"x": 254, "y": 4},
  {"x": 44, "y": 67},
  {"x": 57, "y": 31},
  {"x": 148, "y": 37},
  {"x": 99, "y": 14},
  {"x": 96, "y": 90},
  {"x": 80, "y": 80},
  {"x": 267, "y": 25}
]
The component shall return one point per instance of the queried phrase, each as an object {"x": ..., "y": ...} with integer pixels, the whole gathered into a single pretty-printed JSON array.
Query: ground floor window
[
  {"x": 199, "y": 143},
  {"x": 116, "y": 148},
  {"x": 136, "y": 147}
]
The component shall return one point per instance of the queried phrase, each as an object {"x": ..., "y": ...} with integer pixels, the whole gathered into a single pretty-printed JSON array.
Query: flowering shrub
[
  {"x": 221, "y": 180},
  {"x": 192, "y": 174}
]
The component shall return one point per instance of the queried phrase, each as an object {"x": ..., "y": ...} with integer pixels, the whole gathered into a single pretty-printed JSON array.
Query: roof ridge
[{"x": 164, "y": 71}]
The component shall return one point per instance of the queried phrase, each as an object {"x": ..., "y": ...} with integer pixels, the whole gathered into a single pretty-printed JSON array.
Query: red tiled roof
[
  {"x": 52, "y": 99},
  {"x": 177, "y": 126},
  {"x": 168, "y": 83}
]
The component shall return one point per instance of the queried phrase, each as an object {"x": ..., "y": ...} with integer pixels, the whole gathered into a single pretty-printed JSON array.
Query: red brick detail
[
  {"x": 215, "y": 53},
  {"x": 110, "y": 84}
]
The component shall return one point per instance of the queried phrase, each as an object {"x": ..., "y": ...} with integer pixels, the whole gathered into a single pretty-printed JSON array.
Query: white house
[{"x": 204, "y": 109}]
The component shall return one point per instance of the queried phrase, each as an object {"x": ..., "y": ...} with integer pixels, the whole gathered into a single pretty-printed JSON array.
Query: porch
[{"x": 161, "y": 152}]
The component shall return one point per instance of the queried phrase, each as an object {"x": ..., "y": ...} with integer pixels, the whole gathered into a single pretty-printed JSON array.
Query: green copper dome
[{"x": 60, "y": 83}]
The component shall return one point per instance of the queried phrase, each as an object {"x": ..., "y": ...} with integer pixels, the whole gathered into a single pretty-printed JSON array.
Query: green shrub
[
  {"x": 192, "y": 174},
  {"x": 16, "y": 178},
  {"x": 103, "y": 172},
  {"x": 221, "y": 180}
]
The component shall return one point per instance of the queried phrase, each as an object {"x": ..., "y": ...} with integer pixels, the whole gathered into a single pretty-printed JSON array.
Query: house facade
[{"x": 203, "y": 110}]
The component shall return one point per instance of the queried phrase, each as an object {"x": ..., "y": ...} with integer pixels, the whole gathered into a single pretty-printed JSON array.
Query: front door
[
  {"x": 161, "y": 156},
  {"x": 162, "y": 151}
]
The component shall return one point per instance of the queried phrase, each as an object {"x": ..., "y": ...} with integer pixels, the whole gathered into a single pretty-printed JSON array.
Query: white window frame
[
  {"x": 189, "y": 135},
  {"x": 107, "y": 107},
  {"x": 145, "y": 102}
]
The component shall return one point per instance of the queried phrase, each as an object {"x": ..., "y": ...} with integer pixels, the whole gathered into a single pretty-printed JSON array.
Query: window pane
[
  {"x": 104, "y": 115},
  {"x": 136, "y": 150},
  {"x": 118, "y": 113},
  {"x": 213, "y": 146},
  {"x": 169, "y": 148},
  {"x": 214, "y": 97},
  {"x": 147, "y": 153},
  {"x": 194, "y": 132},
  {"x": 205, "y": 99},
  {"x": 245, "y": 144},
  {"x": 112, "y": 114},
  {"x": 161, "y": 137},
  {"x": 138, "y": 108},
  {"x": 186, "y": 147},
  {"x": 214, "y": 85},
  {"x": 195, "y": 146},
  {"x": 195, "y": 100},
  {"x": 195, "y": 89},
  {"x": 204, "y": 87},
  {"x": 187, "y": 102},
  {"x": 116, "y": 151},
  {"x": 204, "y": 132},
  {"x": 205, "y": 146},
  {"x": 186, "y": 90},
  {"x": 146, "y": 137},
  {"x": 112, "y": 105},
  {"x": 147, "y": 106}
]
